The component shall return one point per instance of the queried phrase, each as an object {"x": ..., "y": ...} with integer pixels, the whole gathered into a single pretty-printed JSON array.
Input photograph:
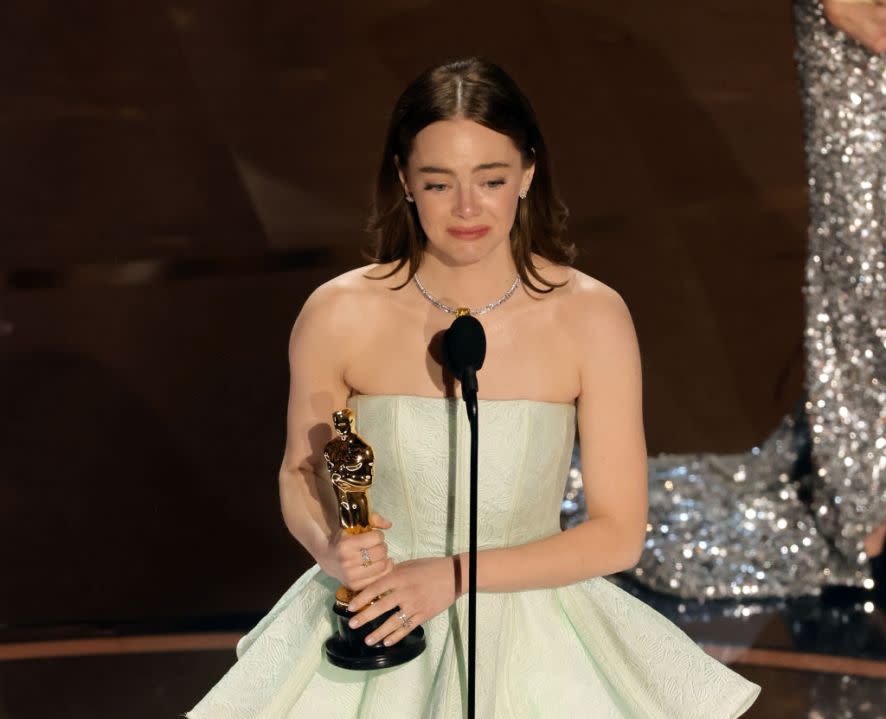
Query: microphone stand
[
  {"x": 464, "y": 348},
  {"x": 469, "y": 394}
]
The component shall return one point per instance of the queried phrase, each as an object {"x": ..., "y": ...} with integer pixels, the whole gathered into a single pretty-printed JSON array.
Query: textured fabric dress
[
  {"x": 736, "y": 525},
  {"x": 583, "y": 650}
]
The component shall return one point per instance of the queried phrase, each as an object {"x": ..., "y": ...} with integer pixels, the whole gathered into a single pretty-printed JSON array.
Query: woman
[{"x": 466, "y": 217}]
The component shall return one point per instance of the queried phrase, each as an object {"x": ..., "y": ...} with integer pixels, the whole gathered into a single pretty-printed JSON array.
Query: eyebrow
[{"x": 446, "y": 171}]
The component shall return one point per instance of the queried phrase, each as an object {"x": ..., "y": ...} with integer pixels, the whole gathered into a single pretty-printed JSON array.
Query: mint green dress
[{"x": 584, "y": 650}]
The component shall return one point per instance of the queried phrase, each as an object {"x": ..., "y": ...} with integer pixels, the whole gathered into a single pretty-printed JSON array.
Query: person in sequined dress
[
  {"x": 840, "y": 48},
  {"x": 765, "y": 523}
]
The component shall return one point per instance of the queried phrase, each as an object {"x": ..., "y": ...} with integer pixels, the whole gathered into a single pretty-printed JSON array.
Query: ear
[
  {"x": 528, "y": 174},
  {"x": 401, "y": 173}
]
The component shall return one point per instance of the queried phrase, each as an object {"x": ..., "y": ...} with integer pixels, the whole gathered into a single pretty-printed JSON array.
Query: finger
[
  {"x": 401, "y": 631},
  {"x": 376, "y": 520},
  {"x": 369, "y": 592},
  {"x": 372, "y": 555},
  {"x": 358, "y": 578},
  {"x": 378, "y": 537},
  {"x": 365, "y": 580},
  {"x": 392, "y": 631},
  {"x": 367, "y": 540},
  {"x": 376, "y": 609},
  {"x": 370, "y": 539},
  {"x": 359, "y": 556}
]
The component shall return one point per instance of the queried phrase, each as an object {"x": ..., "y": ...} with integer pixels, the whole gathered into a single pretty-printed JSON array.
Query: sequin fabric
[
  {"x": 844, "y": 91},
  {"x": 728, "y": 525},
  {"x": 761, "y": 524}
]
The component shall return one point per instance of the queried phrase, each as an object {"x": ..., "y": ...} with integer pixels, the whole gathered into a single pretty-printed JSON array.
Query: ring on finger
[
  {"x": 364, "y": 555},
  {"x": 404, "y": 620}
]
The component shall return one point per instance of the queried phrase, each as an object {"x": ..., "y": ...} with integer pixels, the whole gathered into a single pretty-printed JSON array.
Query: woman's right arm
[{"x": 319, "y": 348}]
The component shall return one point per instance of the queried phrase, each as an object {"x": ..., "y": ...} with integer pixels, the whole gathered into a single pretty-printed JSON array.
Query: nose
[{"x": 465, "y": 202}]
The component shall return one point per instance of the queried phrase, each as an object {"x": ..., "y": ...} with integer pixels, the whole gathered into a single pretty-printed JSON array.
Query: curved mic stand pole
[{"x": 469, "y": 394}]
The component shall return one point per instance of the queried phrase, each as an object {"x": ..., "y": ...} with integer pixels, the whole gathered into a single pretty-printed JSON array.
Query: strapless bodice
[
  {"x": 422, "y": 469},
  {"x": 585, "y": 649}
]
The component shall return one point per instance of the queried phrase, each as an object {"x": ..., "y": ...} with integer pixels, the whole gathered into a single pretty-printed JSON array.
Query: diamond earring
[
  {"x": 409, "y": 198},
  {"x": 523, "y": 194}
]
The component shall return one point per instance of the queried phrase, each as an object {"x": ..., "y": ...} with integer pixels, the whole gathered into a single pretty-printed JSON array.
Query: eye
[
  {"x": 435, "y": 187},
  {"x": 493, "y": 184}
]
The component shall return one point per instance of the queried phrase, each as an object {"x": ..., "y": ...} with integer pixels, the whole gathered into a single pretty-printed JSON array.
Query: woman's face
[{"x": 466, "y": 180}]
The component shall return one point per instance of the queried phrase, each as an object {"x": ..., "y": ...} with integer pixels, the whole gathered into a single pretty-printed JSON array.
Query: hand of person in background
[
  {"x": 863, "y": 20},
  {"x": 357, "y": 560}
]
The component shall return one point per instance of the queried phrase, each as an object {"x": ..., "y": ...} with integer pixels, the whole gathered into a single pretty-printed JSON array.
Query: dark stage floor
[{"x": 813, "y": 662}]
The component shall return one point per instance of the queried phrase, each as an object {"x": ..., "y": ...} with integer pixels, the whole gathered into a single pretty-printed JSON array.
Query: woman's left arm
[
  {"x": 613, "y": 458},
  {"x": 613, "y": 454}
]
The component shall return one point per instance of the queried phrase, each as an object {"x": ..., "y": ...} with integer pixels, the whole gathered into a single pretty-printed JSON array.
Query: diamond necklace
[{"x": 461, "y": 311}]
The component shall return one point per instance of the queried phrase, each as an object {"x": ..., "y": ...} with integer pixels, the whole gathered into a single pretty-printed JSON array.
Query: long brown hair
[{"x": 477, "y": 90}]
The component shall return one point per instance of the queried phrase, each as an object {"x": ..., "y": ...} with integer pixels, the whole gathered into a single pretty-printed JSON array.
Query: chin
[{"x": 462, "y": 253}]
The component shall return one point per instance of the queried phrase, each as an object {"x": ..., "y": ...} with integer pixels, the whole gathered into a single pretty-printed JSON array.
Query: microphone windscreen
[{"x": 464, "y": 345}]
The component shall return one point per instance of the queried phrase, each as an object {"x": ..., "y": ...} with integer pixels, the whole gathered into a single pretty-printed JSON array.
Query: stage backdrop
[{"x": 176, "y": 178}]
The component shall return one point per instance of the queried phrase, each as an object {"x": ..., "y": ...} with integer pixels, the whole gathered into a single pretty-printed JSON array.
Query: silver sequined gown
[
  {"x": 739, "y": 525},
  {"x": 845, "y": 102}
]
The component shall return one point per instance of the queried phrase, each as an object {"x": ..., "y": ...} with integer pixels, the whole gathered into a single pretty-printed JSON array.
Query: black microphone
[{"x": 464, "y": 349}]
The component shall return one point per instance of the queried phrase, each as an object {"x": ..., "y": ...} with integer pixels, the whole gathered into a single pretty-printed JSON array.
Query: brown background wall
[{"x": 177, "y": 178}]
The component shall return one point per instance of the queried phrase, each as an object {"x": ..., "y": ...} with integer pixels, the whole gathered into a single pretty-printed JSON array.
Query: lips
[{"x": 468, "y": 233}]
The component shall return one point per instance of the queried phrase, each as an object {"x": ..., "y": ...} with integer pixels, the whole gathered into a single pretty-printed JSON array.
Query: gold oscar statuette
[{"x": 351, "y": 465}]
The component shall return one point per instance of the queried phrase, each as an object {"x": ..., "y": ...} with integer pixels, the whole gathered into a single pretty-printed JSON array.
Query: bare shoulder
[
  {"x": 589, "y": 293},
  {"x": 338, "y": 298},
  {"x": 342, "y": 308},
  {"x": 358, "y": 285},
  {"x": 593, "y": 310},
  {"x": 579, "y": 293}
]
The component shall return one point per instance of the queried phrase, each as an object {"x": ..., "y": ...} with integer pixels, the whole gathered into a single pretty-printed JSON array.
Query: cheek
[
  {"x": 506, "y": 205},
  {"x": 433, "y": 216},
  {"x": 432, "y": 211},
  {"x": 501, "y": 208}
]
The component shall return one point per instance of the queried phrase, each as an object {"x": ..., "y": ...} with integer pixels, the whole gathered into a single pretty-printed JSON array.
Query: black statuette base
[{"x": 347, "y": 648}]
